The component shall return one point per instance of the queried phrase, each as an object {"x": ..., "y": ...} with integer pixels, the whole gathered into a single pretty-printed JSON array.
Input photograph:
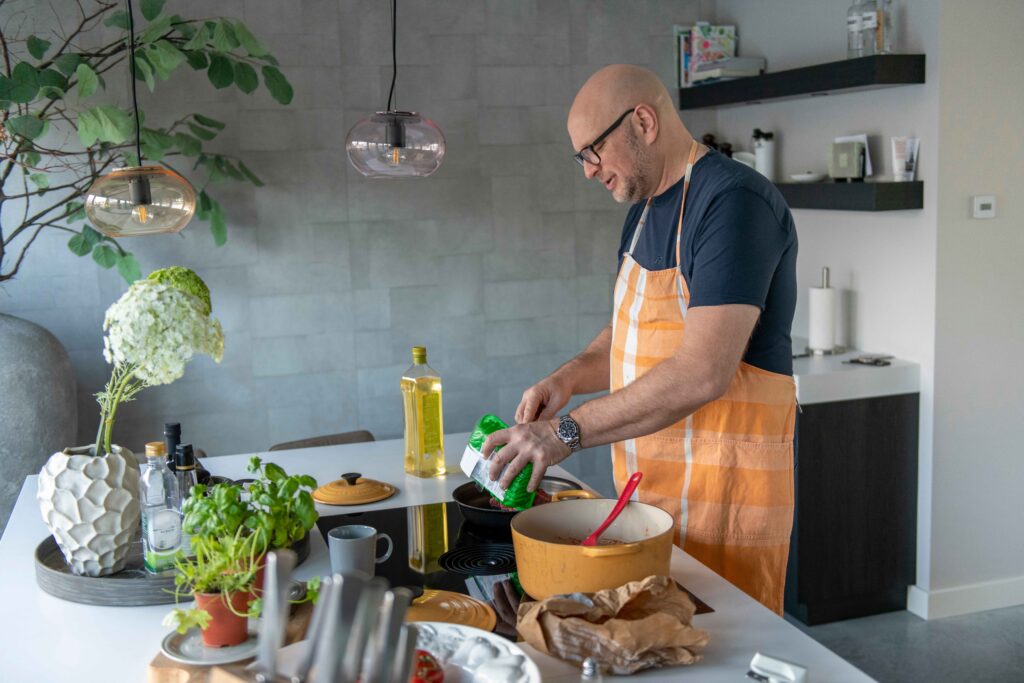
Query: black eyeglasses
[{"x": 588, "y": 153}]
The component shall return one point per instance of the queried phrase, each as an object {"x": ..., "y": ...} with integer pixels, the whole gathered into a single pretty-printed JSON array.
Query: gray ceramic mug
[{"x": 353, "y": 548}]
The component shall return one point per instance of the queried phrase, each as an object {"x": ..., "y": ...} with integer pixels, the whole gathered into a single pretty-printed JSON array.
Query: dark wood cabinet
[{"x": 853, "y": 550}]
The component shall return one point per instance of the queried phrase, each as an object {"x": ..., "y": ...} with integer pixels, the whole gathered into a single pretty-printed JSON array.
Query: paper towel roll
[{"x": 822, "y": 319}]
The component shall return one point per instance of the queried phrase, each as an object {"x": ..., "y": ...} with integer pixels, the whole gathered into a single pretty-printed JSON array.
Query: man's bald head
[{"x": 611, "y": 91}]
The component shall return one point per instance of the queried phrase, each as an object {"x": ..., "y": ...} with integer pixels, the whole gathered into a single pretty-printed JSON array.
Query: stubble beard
[{"x": 635, "y": 187}]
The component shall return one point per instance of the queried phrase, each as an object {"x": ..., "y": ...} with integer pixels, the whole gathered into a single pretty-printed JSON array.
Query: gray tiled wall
[{"x": 501, "y": 263}]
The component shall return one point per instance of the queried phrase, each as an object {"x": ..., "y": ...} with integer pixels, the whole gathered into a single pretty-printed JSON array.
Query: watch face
[{"x": 568, "y": 430}]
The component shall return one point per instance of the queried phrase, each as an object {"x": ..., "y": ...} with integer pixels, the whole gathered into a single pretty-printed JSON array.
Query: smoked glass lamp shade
[
  {"x": 395, "y": 144},
  {"x": 140, "y": 200}
]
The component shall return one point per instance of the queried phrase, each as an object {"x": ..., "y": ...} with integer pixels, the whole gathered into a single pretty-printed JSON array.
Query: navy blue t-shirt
[{"x": 739, "y": 247}]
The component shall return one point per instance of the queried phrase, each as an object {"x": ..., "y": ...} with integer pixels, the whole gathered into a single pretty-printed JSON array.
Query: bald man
[{"x": 702, "y": 399}]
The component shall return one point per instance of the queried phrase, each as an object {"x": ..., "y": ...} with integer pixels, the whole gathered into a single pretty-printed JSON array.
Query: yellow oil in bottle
[
  {"x": 428, "y": 536},
  {"x": 424, "y": 423}
]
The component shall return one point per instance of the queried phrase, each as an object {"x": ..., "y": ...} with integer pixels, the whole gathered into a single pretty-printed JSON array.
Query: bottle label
[
  {"x": 853, "y": 23},
  {"x": 164, "y": 530},
  {"x": 431, "y": 412},
  {"x": 869, "y": 20}
]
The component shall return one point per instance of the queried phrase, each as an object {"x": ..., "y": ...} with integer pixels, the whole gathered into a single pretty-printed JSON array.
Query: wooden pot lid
[
  {"x": 452, "y": 608},
  {"x": 353, "y": 489}
]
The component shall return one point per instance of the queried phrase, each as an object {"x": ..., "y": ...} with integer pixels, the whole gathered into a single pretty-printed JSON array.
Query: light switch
[{"x": 984, "y": 206}]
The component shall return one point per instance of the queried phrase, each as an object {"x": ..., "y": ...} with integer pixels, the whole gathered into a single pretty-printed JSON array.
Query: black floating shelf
[
  {"x": 849, "y": 75},
  {"x": 854, "y": 196}
]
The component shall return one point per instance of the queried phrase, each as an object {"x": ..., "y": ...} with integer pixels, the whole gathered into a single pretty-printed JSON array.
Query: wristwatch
[{"x": 569, "y": 432}]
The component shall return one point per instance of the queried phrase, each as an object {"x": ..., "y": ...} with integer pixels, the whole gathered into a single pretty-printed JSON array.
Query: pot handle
[
  {"x": 573, "y": 494},
  {"x": 610, "y": 550}
]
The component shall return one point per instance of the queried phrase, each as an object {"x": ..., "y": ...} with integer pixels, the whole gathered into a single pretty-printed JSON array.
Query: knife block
[{"x": 162, "y": 669}]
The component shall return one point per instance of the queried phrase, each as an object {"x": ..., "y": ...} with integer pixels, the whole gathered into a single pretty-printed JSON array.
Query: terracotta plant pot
[
  {"x": 549, "y": 564},
  {"x": 226, "y": 628}
]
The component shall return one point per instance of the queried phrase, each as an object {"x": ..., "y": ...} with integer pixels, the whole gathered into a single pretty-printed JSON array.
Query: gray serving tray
[{"x": 131, "y": 586}]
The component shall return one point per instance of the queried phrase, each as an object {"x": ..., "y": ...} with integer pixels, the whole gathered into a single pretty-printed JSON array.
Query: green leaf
[
  {"x": 198, "y": 39},
  {"x": 88, "y": 128},
  {"x": 27, "y": 126},
  {"x": 105, "y": 123},
  {"x": 87, "y": 80},
  {"x": 246, "y": 78},
  {"x": 218, "y": 226},
  {"x": 248, "y": 40},
  {"x": 52, "y": 78},
  {"x": 205, "y": 207},
  {"x": 208, "y": 122},
  {"x": 144, "y": 71},
  {"x": 78, "y": 245},
  {"x": 224, "y": 37},
  {"x": 151, "y": 152},
  {"x": 76, "y": 212},
  {"x": 68, "y": 63},
  {"x": 119, "y": 19},
  {"x": 104, "y": 256},
  {"x": 155, "y": 30},
  {"x": 188, "y": 145},
  {"x": 22, "y": 86},
  {"x": 172, "y": 56},
  {"x": 37, "y": 47},
  {"x": 151, "y": 8},
  {"x": 227, "y": 168},
  {"x": 30, "y": 158},
  {"x": 201, "y": 133},
  {"x": 250, "y": 175},
  {"x": 279, "y": 87},
  {"x": 40, "y": 180},
  {"x": 128, "y": 267},
  {"x": 197, "y": 60},
  {"x": 92, "y": 236},
  {"x": 221, "y": 73}
]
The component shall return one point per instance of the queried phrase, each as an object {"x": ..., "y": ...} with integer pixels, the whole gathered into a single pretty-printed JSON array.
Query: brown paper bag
[{"x": 641, "y": 625}]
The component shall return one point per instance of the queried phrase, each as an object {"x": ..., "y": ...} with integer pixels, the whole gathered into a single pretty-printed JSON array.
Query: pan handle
[
  {"x": 610, "y": 550},
  {"x": 573, "y": 494}
]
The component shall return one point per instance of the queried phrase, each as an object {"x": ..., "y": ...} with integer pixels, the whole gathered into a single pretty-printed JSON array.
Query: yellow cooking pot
[{"x": 550, "y": 560}]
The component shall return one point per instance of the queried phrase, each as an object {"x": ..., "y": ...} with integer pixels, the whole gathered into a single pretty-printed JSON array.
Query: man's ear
[{"x": 648, "y": 121}]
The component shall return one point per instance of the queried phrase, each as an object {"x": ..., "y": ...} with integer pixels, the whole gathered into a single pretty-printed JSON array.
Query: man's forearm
[
  {"x": 588, "y": 372},
  {"x": 666, "y": 394}
]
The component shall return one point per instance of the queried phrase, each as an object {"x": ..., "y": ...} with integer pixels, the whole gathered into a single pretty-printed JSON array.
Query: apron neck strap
[{"x": 682, "y": 203}]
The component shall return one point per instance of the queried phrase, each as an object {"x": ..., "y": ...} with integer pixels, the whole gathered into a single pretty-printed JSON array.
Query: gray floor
[{"x": 899, "y": 647}]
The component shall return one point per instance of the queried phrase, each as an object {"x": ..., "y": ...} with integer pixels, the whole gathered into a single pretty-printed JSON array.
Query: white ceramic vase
[{"x": 91, "y": 505}]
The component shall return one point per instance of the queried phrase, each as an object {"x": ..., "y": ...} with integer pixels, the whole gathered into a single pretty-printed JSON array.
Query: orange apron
[{"x": 726, "y": 471}]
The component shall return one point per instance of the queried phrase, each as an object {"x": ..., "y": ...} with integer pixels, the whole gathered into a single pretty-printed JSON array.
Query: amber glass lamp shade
[
  {"x": 395, "y": 144},
  {"x": 140, "y": 200}
]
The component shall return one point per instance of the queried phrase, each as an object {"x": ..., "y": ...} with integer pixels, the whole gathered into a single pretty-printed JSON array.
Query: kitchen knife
[
  {"x": 406, "y": 653},
  {"x": 363, "y": 624},
  {"x": 325, "y": 650},
  {"x": 280, "y": 564},
  {"x": 393, "y": 609},
  {"x": 305, "y": 660}
]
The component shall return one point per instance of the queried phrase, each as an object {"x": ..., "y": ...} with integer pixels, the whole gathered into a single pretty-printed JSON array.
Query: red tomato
[{"x": 426, "y": 669}]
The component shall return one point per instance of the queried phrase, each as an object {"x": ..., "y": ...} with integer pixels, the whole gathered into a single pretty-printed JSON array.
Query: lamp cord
[
  {"x": 131, "y": 78},
  {"x": 394, "y": 53}
]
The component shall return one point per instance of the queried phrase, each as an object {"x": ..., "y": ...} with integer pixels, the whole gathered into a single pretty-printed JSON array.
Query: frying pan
[{"x": 476, "y": 509}]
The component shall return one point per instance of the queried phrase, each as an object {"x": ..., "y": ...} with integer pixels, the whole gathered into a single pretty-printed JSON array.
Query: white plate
[
  {"x": 470, "y": 655},
  {"x": 807, "y": 177},
  {"x": 188, "y": 648}
]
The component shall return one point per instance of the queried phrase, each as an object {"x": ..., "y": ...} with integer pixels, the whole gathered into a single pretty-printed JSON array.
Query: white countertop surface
[
  {"x": 49, "y": 640},
  {"x": 823, "y": 379}
]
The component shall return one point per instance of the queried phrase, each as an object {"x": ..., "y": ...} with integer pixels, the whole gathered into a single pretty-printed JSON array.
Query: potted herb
[{"x": 282, "y": 504}]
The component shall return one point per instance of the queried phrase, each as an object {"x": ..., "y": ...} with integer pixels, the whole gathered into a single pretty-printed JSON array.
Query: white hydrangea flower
[{"x": 158, "y": 328}]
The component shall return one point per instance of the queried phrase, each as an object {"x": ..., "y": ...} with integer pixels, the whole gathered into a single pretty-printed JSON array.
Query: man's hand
[
  {"x": 543, "y": 400},
  {"x": 534, "y": 442}
]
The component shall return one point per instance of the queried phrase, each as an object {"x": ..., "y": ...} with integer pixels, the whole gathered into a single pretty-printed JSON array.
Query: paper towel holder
[{"x": 836, "y": 349}]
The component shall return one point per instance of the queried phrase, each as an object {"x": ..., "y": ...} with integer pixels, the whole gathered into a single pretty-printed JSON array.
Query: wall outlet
[{"x": 983, "y": 206}]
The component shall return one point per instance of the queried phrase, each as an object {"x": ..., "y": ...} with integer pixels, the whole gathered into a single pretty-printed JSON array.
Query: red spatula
[{"x": 631, "y": 485}]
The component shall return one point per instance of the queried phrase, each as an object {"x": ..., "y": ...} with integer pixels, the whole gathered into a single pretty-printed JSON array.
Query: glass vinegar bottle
[{"x": 424, "y": 423}]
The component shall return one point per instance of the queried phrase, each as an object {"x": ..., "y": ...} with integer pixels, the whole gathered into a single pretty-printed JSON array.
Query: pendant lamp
[
  {"x": 139, "y": 200},
  {"x": 395, "y": 144}
]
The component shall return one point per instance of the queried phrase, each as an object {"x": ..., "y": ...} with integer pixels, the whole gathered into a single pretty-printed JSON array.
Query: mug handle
[{"x": 387, "y": 553}]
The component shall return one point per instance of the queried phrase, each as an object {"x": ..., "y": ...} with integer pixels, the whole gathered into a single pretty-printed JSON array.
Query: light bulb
[
  {"x": 140, "y": 214},
  {"x": 396, "y": 156}
]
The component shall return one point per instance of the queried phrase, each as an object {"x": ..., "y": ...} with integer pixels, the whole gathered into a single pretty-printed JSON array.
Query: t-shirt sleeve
[{"x": 736, "y": 250}]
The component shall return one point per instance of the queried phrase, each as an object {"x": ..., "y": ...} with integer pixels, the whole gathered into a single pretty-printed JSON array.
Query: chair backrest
[{"x": 357, "y": 436}]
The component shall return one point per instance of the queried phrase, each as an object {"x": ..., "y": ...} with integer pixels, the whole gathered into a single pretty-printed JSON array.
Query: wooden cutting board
[{"x": 165, "y": 670}]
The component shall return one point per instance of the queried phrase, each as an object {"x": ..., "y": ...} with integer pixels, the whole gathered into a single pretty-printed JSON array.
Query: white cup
[{"x": 353, "y": 548}]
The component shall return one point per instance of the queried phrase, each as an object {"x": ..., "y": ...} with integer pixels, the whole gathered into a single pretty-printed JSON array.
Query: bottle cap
[
  {"x": 172, "y": 429},
  {"x": 419, "y": 354},
  {"x": 155, "y": 449},
  {"x": 184, "y": 458}
]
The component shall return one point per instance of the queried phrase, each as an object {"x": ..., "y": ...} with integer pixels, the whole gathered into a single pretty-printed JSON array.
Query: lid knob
[{"x": 351, "y": 478}]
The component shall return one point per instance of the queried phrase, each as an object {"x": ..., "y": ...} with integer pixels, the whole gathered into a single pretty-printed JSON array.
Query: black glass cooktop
[{"x": 435, "y": 547}]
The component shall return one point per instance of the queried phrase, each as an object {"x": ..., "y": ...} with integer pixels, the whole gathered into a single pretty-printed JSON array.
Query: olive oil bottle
[
  {"x": 428, "y": 536},
  {"x": 424, "y": 425}
]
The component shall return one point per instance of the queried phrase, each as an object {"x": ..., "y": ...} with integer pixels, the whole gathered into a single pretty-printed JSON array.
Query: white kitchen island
[{"x": 44, "y": 639}]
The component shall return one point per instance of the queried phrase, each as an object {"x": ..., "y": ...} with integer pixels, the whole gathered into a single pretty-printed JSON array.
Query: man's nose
[{"x": 589, "y": 169}]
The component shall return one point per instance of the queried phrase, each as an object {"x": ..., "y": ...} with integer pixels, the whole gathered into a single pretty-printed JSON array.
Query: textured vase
[
  {"x": 91, "y": 505},
  {"x": 38, "y": 408}
]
